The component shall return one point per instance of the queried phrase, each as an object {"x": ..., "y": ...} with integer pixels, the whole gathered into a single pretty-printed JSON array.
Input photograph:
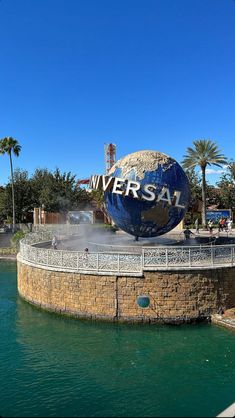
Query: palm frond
[
  {"x": 10, "y": 145},
  {"x": 205, "y": 152}
]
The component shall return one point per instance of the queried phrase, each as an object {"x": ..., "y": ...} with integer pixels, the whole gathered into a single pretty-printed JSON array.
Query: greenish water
[{"x": 56, "y": 366}]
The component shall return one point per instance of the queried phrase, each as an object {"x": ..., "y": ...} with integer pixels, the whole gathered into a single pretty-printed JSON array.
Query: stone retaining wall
[{"x": 174, "y": 296}]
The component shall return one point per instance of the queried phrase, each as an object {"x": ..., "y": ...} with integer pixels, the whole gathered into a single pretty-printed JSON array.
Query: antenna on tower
[{"x": 110, "y": 156}]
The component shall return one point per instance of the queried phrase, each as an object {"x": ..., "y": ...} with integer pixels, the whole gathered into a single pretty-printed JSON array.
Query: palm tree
[
  {"x": 205, "y": 152},
  {"x": 8, "y": 146}
]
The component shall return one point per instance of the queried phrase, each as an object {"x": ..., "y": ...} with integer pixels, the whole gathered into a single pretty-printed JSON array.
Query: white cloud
[{"x": 214, "y": 171}]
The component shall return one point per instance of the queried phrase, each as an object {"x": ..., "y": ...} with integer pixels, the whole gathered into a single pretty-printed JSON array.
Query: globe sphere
[{"x": 141, "y": 217}]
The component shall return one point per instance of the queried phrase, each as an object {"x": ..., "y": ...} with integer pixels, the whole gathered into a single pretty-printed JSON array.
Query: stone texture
[{"x": 174, "y": 296}]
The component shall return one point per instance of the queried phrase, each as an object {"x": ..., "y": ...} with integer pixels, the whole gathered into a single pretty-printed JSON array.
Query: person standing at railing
[
  {"x": 223, "y": 223},
  {"x": 210, "y": 226},
  {"x": 220, "y": 225},
  {"x": 85, "y": 256},
  {"x": 187, "y": 233},
  {"x": 230, "y": 225},
  {"x": 197, "y": 225},
  {"x": 54, "y": 243}
]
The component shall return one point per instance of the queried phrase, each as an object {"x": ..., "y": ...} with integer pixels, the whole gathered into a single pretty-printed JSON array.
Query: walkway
[
  {"x": 5, "y": 240},
  {"x": 226, "y": 320}
]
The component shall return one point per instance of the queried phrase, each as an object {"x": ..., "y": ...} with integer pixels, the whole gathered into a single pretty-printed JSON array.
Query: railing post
[
  {"x": 97, "y": 261},
  {"x": 28, "y": 251},
  {"x": 77, "y": 261},
  {"x": 167, "y": 257},
  {"x": 143, "y": 259},
  {"x": 118, "y": 262},
  {"x": 212, "y": 256},
  {"x": 189, "y": 257}
]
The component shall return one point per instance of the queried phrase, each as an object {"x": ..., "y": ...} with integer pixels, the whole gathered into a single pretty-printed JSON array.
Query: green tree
[
  {"x": 231, "y": 168},
  {"x": 23, "y": 197},
  {"x": 205, "y": 152},
  {"x": 226, "y": 187},
  {"x": 195, "y": 187},
  {"x": 98, "y": 197},
  {"x": 9, "y": 145},
  {"x": 57, "y": 191},
  {"x": 212, "y": 195},
  {"x": 2, "y": 204}
]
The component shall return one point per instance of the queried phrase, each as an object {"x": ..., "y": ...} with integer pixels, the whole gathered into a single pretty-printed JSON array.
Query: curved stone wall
[{"x": 175, "y": 296}]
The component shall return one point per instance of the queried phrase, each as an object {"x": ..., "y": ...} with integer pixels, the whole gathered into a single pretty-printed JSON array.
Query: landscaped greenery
[
  {"x": 8, "y": 251},
  {"x": 15, "y": 240}
]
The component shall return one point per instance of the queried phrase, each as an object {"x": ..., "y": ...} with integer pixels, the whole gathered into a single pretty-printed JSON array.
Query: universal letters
[{"x": 132, "y": 188}]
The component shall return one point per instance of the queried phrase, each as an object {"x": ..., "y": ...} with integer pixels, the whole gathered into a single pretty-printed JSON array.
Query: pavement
[
  {"x": 5, "y": 240},
  {"x": 206, "y": 234},
  {"x": 214, "y": 233}
]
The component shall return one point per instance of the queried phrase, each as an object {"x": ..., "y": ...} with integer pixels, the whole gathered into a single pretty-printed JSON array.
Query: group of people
[{"x": 225, "y": 224}]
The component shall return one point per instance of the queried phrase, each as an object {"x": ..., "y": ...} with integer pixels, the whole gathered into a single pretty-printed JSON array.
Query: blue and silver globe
[{"x": 144, "y": 218}]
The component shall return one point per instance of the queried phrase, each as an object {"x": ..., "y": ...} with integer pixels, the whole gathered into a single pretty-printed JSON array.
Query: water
[{"x": 56, "y": 366}]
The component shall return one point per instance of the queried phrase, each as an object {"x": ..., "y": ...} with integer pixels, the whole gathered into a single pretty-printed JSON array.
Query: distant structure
[
  {"x": 110, "y": 159},
  {"x": 110, "y": 156},
  {"x": 83, "y": 181}
]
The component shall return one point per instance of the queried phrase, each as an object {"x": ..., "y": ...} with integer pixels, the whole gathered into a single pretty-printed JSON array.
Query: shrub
[{"x": 16, "y": 238}]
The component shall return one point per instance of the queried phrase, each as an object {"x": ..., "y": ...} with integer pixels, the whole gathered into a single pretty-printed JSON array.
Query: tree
[
  {"x": 227, "y": 188},
  {"x": 9, "y": 145},
  {"x": 2, "y": 204},
  {"x": 54, "y": 191},
  {"x": 212, "y": 196},
  {"x": 22, "y": 197},
  {"x": 231, "y": 167},
  {"x": 98, "y": 197},
  {"x": 195, "y": 188},
  {"x": 204, "y": 153},
  {"x": 57, "y": 191}
]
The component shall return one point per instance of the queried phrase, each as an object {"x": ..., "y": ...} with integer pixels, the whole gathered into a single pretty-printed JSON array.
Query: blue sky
[{"x": 144, "y": 74}]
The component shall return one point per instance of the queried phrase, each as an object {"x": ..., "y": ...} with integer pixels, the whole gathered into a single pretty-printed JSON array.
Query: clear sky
[{"x": 144, "y": 74}]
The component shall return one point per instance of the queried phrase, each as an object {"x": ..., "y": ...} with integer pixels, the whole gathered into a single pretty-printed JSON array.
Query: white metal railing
[
  {"x": 80, "y": 261},
  {"x": 108, "y": 262},
  {"x": 188, "y": 257}
]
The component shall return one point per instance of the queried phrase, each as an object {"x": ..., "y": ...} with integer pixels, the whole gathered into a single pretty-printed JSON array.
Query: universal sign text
[{"x": 132, "y": 188}]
